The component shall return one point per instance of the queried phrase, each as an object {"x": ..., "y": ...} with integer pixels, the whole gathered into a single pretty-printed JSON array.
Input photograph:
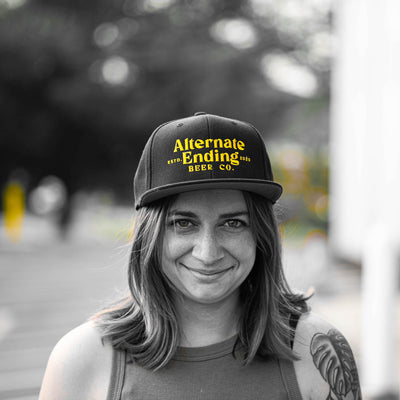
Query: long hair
[
  {"x": 145, "y": 322},
  {"x": 267, "y": 298}
]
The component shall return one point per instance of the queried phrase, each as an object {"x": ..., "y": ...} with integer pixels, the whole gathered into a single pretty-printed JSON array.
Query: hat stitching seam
[
  {"x": 258, "y": 134},
  {"x": 150, "y": 163},
  {"x": 209, "y": 137}
]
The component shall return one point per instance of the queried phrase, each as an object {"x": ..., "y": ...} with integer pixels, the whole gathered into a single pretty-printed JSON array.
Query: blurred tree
[{"x": 83, "y": 84}]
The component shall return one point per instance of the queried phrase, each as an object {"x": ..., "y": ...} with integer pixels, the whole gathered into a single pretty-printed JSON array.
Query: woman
[{"x": 209, "y": 314}]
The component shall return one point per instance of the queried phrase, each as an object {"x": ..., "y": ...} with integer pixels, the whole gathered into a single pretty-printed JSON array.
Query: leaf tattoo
[{"x": 334, "y": 359}]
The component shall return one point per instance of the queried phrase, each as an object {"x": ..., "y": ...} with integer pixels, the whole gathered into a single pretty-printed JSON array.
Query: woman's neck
[{"x": 206, "y": 324}]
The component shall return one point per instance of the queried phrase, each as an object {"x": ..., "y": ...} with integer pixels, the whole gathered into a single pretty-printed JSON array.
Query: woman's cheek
[
  {"x": 243, "y": 246},
  {"x": 175, "y": 246}
]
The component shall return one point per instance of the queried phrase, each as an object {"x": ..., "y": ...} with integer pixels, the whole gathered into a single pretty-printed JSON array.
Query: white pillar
[
  {"x": 379, "y": 325},
  {"x": 365, "y": 174}
]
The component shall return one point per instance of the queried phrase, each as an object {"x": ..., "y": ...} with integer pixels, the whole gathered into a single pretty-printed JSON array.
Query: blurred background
[{"x": 83, "y": 85}]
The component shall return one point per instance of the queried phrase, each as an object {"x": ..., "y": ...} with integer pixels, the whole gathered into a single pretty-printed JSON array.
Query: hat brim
[{"x": 268, "y": 189}]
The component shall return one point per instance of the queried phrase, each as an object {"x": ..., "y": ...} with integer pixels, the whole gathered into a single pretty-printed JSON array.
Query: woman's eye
[
  {"x": 234, "y": 223},
  {"x": 182, "y": 223}
]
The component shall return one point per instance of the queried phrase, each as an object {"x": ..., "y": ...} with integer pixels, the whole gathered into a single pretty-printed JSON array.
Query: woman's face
[{"x": 208, "y": 248}]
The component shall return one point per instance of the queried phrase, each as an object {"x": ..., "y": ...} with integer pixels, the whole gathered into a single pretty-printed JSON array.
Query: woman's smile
[{"x": 211, "y": 273}]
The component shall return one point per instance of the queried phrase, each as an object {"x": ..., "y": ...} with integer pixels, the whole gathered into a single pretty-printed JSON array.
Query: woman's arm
[
  {"x": 79, "y": 367},
  {"x": 327, "y": 369}
]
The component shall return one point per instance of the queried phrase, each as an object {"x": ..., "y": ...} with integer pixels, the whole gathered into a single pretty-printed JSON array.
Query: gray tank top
[{"x": 204, "y": 373}]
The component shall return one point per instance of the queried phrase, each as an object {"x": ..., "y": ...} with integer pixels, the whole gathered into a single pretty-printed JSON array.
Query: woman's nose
[{"x": 207, "y": 248}]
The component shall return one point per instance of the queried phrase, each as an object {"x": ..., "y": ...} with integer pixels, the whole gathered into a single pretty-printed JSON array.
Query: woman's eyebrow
[
  {"x": 235, "y": 214},
  {"x": 188, "y": 214},
  {"x": 191, "y": 214}
]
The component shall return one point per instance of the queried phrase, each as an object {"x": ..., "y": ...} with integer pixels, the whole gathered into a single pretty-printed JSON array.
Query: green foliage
[{"x": 305, "y": 178}]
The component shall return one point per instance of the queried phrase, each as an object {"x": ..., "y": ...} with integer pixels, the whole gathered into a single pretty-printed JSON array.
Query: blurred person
[
  {"x": 209, "y": 313},
  {"x": 51, "y": 199}
]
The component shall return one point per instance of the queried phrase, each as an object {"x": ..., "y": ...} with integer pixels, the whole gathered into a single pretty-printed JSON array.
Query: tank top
[{"x": 204, "y": 373}]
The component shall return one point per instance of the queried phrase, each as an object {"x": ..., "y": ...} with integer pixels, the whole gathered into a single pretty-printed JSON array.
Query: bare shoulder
[
  {"x": 326, "y": 368},
  {"x": 79, "y": 366}
]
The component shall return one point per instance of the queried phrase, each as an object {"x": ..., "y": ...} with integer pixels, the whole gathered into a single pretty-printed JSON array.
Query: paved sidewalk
[{"x": 48, "y": 287}]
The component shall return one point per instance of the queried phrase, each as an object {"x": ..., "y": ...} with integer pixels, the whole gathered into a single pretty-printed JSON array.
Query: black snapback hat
[{"x": 204, "y": 152}]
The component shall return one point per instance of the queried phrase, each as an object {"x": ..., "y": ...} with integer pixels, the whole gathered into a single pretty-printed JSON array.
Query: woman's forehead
[{"x": 221, "y": 200}]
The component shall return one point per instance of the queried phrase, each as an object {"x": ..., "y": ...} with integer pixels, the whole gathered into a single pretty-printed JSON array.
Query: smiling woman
[
  {"x": 209, "y": 314},
  {"x": 208, "y": 251}
]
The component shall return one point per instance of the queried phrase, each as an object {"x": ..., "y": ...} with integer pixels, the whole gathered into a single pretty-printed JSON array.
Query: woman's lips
[{"x": 208, "y": 272}]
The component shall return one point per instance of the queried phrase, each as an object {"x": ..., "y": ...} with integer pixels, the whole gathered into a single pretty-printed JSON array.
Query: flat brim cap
[{"x": 204, "y": 151}]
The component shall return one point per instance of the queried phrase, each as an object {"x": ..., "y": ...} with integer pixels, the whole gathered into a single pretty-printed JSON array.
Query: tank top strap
[
  {"x": 290, "y": 380},
  {"x": 117, "y": 375},
  {"x": 287, "y": 367}
]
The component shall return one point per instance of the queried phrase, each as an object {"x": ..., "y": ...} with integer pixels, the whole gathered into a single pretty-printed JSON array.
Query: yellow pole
[{"x": 14, "y": 210}]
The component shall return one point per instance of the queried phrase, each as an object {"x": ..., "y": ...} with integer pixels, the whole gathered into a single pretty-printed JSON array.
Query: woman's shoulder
[
  {"x": 326, "y": 362},
  {"x": 79, "y": 366}
]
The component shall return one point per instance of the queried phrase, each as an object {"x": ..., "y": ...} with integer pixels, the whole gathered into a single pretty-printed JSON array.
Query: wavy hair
[{"x": 145, "y": 322}]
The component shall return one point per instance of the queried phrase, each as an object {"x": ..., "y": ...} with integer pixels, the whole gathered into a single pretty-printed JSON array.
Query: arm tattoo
[{"x": 334, "y": 359}]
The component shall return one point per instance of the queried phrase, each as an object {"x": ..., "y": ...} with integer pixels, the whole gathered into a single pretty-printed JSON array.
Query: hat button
[{"x": 200, "y": 113}]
